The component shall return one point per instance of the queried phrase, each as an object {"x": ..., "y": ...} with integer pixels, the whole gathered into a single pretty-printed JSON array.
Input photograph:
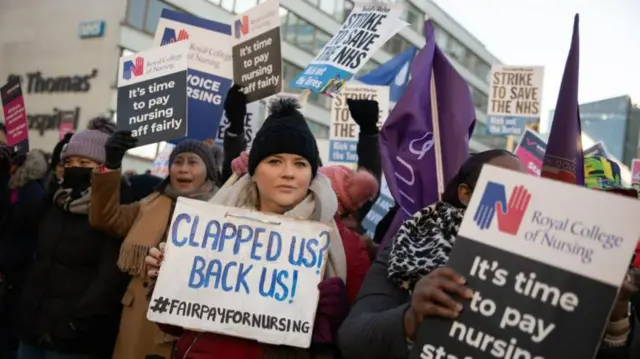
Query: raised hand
[
  {"x": 510, "y": 217},
  {"x": 183, "y": 35},
  {"x": 115, "y": 148},
  {"x": 493, "y": 193},
  {"x": 139, "y": 67}
]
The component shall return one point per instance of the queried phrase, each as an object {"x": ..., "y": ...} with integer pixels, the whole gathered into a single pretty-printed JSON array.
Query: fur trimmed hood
[{"x": 35, "y": 167}]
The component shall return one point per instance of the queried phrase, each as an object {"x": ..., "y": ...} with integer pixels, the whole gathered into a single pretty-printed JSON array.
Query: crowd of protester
[{"x": 81, "y": 243}]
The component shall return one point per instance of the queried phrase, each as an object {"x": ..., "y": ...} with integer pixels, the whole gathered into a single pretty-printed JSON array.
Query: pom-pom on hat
[
  {"x": 90, "y": 143},
  {"x": 284, "y": 131},
  {"x": 353, "y": 188}
]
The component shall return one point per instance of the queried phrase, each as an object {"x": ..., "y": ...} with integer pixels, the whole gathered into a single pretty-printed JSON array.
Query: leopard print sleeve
[{"x": 423, "y": 243}]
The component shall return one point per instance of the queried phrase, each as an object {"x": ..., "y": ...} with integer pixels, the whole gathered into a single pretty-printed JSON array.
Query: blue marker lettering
[
  {"x": 174, "y": 229},
  {"x": 196, "y": 278},
  {"x": 292, "y": 250},
  {"x": 212, "y": 231},
  {"x": 275, "y": 241},
  {"x": 242, "y": 278},
  {"x": 225, "y": 275},
  {"x": 256, "y": 245},
  {"x": 245, "y": 234},
  {"x": 229, "y": 231},
  {"x": 282, "y": 276},
  {"x": 312, "y": 247},
  {"x": 192, "y": 235},
  {"x": 213, "y": 270},
  {"x": 263, "y": 277}
]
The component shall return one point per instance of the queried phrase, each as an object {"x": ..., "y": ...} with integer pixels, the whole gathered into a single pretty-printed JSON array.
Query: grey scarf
[{"x": 73, "y": 204}]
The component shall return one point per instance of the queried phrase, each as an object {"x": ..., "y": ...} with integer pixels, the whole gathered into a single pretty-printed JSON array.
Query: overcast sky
[{"x": 538, "y": 32}]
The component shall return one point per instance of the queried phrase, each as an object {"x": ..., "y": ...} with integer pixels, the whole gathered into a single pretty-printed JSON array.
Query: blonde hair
[{"x": 249, "y": 197}]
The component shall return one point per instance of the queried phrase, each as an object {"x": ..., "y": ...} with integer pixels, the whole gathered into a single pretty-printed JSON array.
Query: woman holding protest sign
[
  {"x": 410, "y": 282},
  {"x": 192, "y": 174},
  {"x": 282, "y": 179}
]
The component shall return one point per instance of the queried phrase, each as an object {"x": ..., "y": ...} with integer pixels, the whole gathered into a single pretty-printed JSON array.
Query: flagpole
[{"x": 436, "y": 137}]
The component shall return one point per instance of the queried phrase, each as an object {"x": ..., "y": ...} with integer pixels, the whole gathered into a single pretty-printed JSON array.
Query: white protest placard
[
  {"x": 365, "y": 30},
  {"x": 160, "y": 166},
  {"x": 515, "y": 98},
  {"x": 241, "y": 273},
  {"x": 257, "y": 57},
  {"x": 343, "y": 136},
  {"x": 210, "y": 66},
  {"x": 250, "y": 124},
  {"x": 152, "y": 93},
  {"x": 544, "y": 268}
]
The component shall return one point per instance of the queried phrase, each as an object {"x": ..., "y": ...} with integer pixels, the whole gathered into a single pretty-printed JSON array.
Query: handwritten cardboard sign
[{"x": 241, "y": 273}]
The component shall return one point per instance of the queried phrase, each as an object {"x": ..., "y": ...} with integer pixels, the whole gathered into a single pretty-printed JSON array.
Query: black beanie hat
[
  {"x": 202, "y": 150},
  {"x": 284, "y": 131}
]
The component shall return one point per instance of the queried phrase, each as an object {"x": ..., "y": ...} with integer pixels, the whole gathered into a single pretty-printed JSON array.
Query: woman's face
[
  {"x": 81, "y": 162},
  {"x": 187, "y": 173},
  {"x": 283, "y": 181},
  {"x": 506, "y": 162}
]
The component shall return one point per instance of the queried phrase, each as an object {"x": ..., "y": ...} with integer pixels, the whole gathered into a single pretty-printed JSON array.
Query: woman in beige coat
[{"x": 192, "y": 172}]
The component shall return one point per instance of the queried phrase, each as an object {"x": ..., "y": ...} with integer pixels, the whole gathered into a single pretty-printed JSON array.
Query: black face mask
[{"x": 77, "y": 179}]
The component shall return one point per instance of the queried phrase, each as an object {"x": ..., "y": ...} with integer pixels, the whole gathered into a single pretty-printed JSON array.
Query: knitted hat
[
  {"x": 58, "y": 149},
  {"x": 199, "y": 148},
  {"x": 90, "y": 143},
  {"x": 351, "y": 187},
  {"x": 604, "y": 174},
  {"x": 284, "y": 131}
]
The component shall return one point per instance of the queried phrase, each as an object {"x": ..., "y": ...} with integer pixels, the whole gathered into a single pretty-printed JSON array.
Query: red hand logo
[
  {"x": 183, "y": 35},
  {"x": 510, "y": 218},
  {"x": 139, "y": 68}
]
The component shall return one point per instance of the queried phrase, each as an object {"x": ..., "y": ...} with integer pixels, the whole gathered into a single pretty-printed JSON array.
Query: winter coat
[
  {"x": 17, "y": 236},
  {"x": 357, "y": 259},
  {"x": 193, "y": 345},
  {"x": 148, "y": 218},
  {"x": 72, "y": 291},
  {"x": 146, "y": 221}
]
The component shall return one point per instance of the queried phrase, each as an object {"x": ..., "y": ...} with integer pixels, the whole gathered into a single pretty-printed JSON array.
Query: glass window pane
[
  {"x": 305, "y": 39},
  {"x": 291, "y": 28},
  {"x": 244, "y": 5},
  {"x": 135, "y": 13},
  {"x": 328, "y": 6},
  {"x": 321, "y": 39},
  {"x": 227, "y": 5},
  {"x": 153, "y": 14}
]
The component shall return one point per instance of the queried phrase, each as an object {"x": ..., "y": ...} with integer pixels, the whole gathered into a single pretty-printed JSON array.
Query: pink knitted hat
[{"x": 353, "y": 188}]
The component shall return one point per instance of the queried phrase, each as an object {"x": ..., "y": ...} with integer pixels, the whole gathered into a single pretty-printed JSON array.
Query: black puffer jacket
[{"x": 72, "y": 292}]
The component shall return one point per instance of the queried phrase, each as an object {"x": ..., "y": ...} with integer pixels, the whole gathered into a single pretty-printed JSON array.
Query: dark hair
[
  {"x": 3, "y": 128},
  {"x": 469, "y": 173}
]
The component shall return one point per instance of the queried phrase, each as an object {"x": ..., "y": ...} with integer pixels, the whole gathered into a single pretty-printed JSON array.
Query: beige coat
[{"x": 144, "y": 224}]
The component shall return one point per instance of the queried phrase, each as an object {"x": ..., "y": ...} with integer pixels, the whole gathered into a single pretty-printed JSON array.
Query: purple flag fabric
[
  {"x": 563, "y": 160},
  {"x": 407, "y": 140}
]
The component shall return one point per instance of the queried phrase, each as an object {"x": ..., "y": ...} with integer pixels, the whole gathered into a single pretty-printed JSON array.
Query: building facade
[
  {"x": 56, "y": 44},
  {"x": 614, "y": 121}
]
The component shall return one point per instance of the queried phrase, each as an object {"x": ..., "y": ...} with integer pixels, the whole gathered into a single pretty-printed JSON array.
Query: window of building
[
  {"x": 301, "y": 33},
  {"x": 319, "y": 131},
  {"x": 414, "y": 17},
  {"x": 396, "y": 45},
  {"x": 337, "y": 9},
  {"x": 461, "y": 53},
  {"x": 370, "y": 65},
  {"x": 144, "y": 14},
  {"x": 480, "y": 100}
]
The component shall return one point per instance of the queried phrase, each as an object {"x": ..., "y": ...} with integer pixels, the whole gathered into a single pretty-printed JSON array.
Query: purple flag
[
  {"x": 563, "y": 160},
  {"x": 407, "y": 141}
]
